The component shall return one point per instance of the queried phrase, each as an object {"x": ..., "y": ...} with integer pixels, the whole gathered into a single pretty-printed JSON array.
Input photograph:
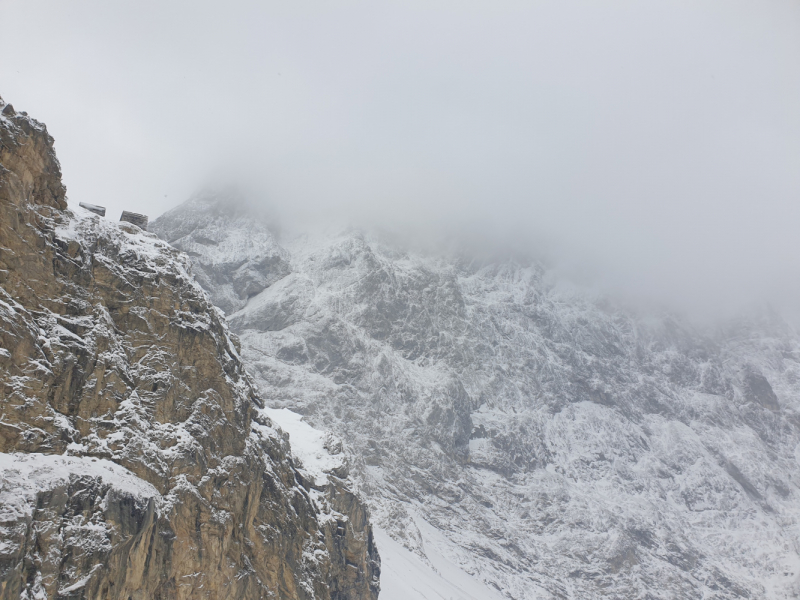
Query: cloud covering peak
[{"x": 653, "y": 145}]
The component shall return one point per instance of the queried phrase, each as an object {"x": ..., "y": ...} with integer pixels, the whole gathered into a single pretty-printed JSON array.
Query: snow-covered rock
[{"x": 135, "y": 459}]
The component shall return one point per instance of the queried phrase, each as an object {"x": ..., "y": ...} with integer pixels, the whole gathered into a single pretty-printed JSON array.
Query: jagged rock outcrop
[
  {"x": 136, "y": 460},
  {"x": 546, "y": 441}
]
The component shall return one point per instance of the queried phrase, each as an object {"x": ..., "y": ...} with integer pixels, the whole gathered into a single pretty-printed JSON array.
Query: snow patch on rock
[
  {"x": 319, "y": 452},
  {"x": 23, "y": 475}
]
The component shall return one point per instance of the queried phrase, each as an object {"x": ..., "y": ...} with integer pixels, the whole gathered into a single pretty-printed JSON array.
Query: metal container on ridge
[{"x": 135, "y": 218}]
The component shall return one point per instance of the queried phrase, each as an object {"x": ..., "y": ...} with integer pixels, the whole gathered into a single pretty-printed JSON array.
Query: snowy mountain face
[
  {"x": 230, "y": 272},
  {"x": 516, "y": 437}
]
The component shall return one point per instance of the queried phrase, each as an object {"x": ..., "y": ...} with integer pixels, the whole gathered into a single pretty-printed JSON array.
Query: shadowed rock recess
[
  {"x": 544, "y": 441},
  {"x": 136, "y": 461}
]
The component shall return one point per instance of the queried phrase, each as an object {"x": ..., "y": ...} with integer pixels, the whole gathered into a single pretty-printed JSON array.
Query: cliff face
[
  {"x": 546, "y": 441},
  {"x": 136, "y": 462}
]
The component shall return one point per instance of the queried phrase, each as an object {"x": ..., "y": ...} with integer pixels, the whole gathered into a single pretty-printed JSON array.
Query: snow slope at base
[{"x": 404, "y": 576}]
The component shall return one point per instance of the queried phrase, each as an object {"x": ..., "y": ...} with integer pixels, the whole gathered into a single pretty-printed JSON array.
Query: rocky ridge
[
  {"x": 543, "y": 440},
  {"x": 136, "y": 458}
]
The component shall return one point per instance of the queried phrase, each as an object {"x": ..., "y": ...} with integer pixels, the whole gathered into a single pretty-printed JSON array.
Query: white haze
[{"x": 653, "y": 145}]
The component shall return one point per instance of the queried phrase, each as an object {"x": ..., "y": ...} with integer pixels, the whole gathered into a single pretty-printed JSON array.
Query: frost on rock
[{"x": 552, "y": 443}]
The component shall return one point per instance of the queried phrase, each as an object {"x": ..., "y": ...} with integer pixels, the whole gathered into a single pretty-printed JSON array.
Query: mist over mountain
[{"x": 652, "y": 147}]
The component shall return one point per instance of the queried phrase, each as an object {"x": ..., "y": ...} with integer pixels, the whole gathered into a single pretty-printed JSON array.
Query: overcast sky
[{"x": 655, "y": 144}]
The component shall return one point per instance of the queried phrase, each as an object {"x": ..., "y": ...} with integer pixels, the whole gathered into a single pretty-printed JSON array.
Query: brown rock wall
[{"x": 110, "y": 350}]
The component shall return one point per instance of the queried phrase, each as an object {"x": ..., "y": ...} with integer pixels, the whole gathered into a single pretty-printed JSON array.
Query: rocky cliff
[
  {"x": 136, "y": 459},
  {"x": 525, "y": 438}
]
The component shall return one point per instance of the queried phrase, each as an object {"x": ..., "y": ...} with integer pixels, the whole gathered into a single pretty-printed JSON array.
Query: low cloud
[{"x": 651, "y": 148}]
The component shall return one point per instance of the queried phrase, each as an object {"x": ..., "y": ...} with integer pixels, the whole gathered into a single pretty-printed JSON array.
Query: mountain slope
[
  {"x": 555, "y": 445},
  {"x": 136, "y": 461}
]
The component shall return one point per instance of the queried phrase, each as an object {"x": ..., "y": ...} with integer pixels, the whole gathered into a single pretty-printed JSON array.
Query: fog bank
[{"x": 652, "y": 147}]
